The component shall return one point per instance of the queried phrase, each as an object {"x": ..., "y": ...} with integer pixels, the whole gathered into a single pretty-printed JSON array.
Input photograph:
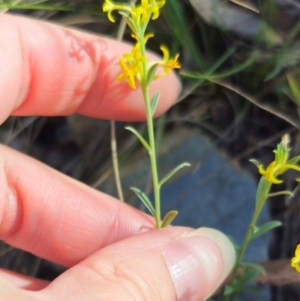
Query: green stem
[
  {"x": 249, "y": 233},
  {"x": 151, "y": 136},
  {"x": 152, "y": 155}
]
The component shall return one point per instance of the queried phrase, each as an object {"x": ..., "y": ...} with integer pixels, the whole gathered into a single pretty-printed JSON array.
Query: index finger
[{"x": 50, "y": 70}]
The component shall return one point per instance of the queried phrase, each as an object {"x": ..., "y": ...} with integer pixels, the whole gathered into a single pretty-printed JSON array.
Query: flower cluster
[
  {"x": 135, "y": 65},
  {"x": 295, "y": 262},
  {"x": 141, "y": 13},
  {"x": 281, "y": 164}
]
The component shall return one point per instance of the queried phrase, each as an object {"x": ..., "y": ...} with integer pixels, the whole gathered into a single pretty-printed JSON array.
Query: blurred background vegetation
[{"x": 240, "y": 74}]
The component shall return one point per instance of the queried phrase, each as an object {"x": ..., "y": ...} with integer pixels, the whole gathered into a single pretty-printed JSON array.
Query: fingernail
[{"x": 199, "y": 262}]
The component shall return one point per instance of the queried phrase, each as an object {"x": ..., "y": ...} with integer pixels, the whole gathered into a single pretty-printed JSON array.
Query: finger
[
  {"x": 23, "y": 281},
  {"x": 60, "y": 71},
  {"x": 56, "y": 217},
  {"x": 167, "y": 265},
  {"x": 10, "y": 292}
]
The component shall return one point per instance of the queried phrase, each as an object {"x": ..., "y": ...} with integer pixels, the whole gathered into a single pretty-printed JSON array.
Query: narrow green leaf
[
  {"x": 172, "y": 172},
  {"x": 136, "y": 133},
  {"x": 246, "y": 277},
  {"x": 219, "y": 62},
  {"x": 293, "y": 161},
  {"x": 154, "y": 102},
  {"x": 129, "y": 21},
  {"x": 213, "y": 67},
  {"x": 265, "y": 228},
  {"x": 168, "y": 219},
  {"x": 151, "y": 73},
  {"x": 252, "y": 58},
  {"x": 141, "y": 195},
  {"x": 255, "y": 162},
  {"x": 226, "y": 73},
  {"x": 190, "y": 75},
  {"x": 254, "y": 266},
  {"x": 285, "y": 192},
  {"x": 125, "y": 15},
  {"x": 260, "y": 189}
]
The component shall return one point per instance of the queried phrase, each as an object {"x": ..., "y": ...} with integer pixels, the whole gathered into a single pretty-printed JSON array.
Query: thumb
[{"x": 169, "y": 264}]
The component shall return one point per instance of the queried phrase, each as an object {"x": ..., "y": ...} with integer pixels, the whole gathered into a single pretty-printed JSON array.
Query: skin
[{"x": 111, "y": 249}]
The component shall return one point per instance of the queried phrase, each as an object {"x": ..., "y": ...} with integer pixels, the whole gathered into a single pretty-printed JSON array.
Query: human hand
[{"x": 112, "y": 250}]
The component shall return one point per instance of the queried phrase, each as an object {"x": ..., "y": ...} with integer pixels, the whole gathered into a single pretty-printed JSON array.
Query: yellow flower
[
  {"x": 146, "y": 9},
  {"x": 146, "y": 37},
  {"x": 159, "y": 4},
  {"x": 109, "y": 7},
  {"x": 269, "y": 173},
  {"x": 149, "y": 7},
  {"x": 128, "y": 73},
  {"x": 295, "y": 262},
  {"x": 139, "y": 13},
  {"x": 281, "y": 163},
  {"x": 167, "y": 63},
  {"x": 137, "y": 46},
  {"x": 131, "y": 63}
]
